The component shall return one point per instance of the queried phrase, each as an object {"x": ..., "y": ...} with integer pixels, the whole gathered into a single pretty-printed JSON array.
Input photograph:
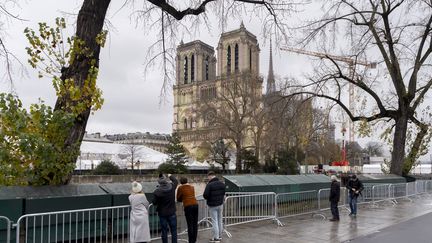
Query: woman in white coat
[{"x": 139, "y": 218}]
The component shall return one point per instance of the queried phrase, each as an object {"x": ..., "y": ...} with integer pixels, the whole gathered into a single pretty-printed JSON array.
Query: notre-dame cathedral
[{"x": 201, "y": 76}]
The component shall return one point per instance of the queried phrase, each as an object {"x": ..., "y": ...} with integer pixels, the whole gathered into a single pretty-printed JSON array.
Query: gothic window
[
  {"x": 229, "y": 60},
  {"x": 236, "y": 58},
  {"x": 193, "y": 68},
  {"x": 210, "y": 118},
  {"x": 185, "y": 123},
  {"x": 185, "y": 70},
  {"x": 207, "y": 68}
]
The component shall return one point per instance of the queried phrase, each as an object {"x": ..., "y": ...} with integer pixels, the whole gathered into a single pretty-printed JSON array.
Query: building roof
[
  {"x": 137, "y": 135},
  {"x": 118, "y": 155}
]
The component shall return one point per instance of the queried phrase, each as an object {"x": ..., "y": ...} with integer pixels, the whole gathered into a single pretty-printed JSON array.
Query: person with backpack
[{"x": 164, "y": 200}]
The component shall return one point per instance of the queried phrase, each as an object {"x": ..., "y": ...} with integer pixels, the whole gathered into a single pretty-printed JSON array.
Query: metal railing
[
  {"x": 8, "y": 226},
  {"x": 398, "y": 191},
  {"x": 411, "y": 189},
  {"x": 248, "y": 208},
  {"x": 109, "y": 224},
  {"x": 381, "y": 193},
  {"x": 296, "y": 203}
]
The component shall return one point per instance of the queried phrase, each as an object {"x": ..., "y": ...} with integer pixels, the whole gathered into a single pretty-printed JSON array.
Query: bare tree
[
  {"x": 398, "y": 34},
  {"x": 220, "y": 153},
  {"x": 374, "y": 149},
  {"x": 7, "y": 57},
  {"x": 233, "y": 109},
  {"x": 293, "y": 122},
  {"x": 133, "y": 152}
]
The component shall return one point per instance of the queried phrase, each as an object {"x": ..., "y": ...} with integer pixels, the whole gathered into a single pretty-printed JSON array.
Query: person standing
[
  {"x": 186, "y": 194},
  {"x": 164, "y": 200},
  {"x": 139, "y": 230},
  {"x": 334, "y": 198},
  {"x": 214, "y": 193},
  {"x": 355, "y": 187}
]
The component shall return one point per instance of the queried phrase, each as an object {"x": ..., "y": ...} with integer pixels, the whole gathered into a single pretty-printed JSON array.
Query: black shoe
[{"x": 334, "y": 220}]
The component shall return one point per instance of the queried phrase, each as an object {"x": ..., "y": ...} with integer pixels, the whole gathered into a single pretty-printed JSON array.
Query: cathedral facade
[{"x": 203, "y": 75}]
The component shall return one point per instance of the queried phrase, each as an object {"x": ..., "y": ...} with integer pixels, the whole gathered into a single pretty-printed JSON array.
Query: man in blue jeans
[
  {"x": 214, "y": 193},
  {"x": 164, "y": 200},
  {"x": 354, "y": 186}
]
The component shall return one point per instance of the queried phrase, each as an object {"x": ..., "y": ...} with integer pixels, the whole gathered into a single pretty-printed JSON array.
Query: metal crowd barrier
[
  {"x": 296, "y": 203},
  {"x": 398, "y": 191},
  {"x": 248, "y": 208},
  {"x": 382, "y": 193},
  {"x": 429, "y": 187},
  {"x": 411, "y": 189},
  {"x": 366, "y": 195},
  {"x": 8, "y": 226},
  {"x": 109, "y": 224},
  {"x": 420, "y": 187}
]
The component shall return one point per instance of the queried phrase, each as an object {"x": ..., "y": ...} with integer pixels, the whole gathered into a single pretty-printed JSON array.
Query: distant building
[
  {"x": 198, "y": 83},
  {"x": 95, "y": 137},
  {"x": 155, "y": 141}
]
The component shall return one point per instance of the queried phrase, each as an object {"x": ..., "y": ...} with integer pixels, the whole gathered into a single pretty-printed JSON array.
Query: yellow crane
[{"x": 351, "y": 64}]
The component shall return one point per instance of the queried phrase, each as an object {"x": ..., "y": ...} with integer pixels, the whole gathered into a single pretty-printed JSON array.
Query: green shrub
[
  {"x": 171, "y": 168},
  {"x": 106, "y": 167}
]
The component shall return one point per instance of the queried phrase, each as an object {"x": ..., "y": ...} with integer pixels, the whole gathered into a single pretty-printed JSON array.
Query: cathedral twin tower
[{"x": 201, "y": 77}]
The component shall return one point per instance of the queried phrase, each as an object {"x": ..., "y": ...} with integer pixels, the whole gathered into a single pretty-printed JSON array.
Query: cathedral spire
[{"x": 271, "y": 86}]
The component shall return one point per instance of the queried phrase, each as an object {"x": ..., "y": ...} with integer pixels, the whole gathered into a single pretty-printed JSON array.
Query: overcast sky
[{"x": 132, "y": 101}]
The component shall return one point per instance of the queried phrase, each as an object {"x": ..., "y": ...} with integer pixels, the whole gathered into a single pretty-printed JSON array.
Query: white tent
[{"x": 92, "y": 153}]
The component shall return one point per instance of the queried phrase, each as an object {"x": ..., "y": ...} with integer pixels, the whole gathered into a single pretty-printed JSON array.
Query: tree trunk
[
  {"x": 89, "y": 24},
  {"x": 415, "y": 149},
  {"x": 238, "y": 157},
  {"x": 398, "y": 153}
]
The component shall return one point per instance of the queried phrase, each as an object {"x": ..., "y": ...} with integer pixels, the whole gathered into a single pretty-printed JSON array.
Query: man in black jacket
[
  {"x": 164, "y": 200},
  {"x": 214, "y": 193},
  {"x": 334, "y": 198},
  {"x": 354, "y": 186}
]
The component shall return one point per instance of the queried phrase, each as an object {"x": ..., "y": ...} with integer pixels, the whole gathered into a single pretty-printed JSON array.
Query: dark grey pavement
[
  {"x": 417, "y": 230},
  {"x": 308, "y": 229}
]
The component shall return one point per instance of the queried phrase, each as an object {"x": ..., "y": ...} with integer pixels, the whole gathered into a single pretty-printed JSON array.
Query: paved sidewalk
[
  {"x": 416, "y": 230},
  {"x": 309, "y": 229}
]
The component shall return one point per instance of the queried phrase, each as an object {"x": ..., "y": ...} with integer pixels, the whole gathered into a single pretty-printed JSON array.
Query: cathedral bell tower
[
  {"x": 238, "y": 51},
  {"x": 195, "y": 64}
]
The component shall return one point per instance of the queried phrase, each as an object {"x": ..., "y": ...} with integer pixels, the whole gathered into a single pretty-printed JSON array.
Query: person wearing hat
[
  {"x": 139, "y": 230},
  {"x": 354, "y": 186},
  {"x": 164, "y": 200},
  {"x": 334, "y": 197}
]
